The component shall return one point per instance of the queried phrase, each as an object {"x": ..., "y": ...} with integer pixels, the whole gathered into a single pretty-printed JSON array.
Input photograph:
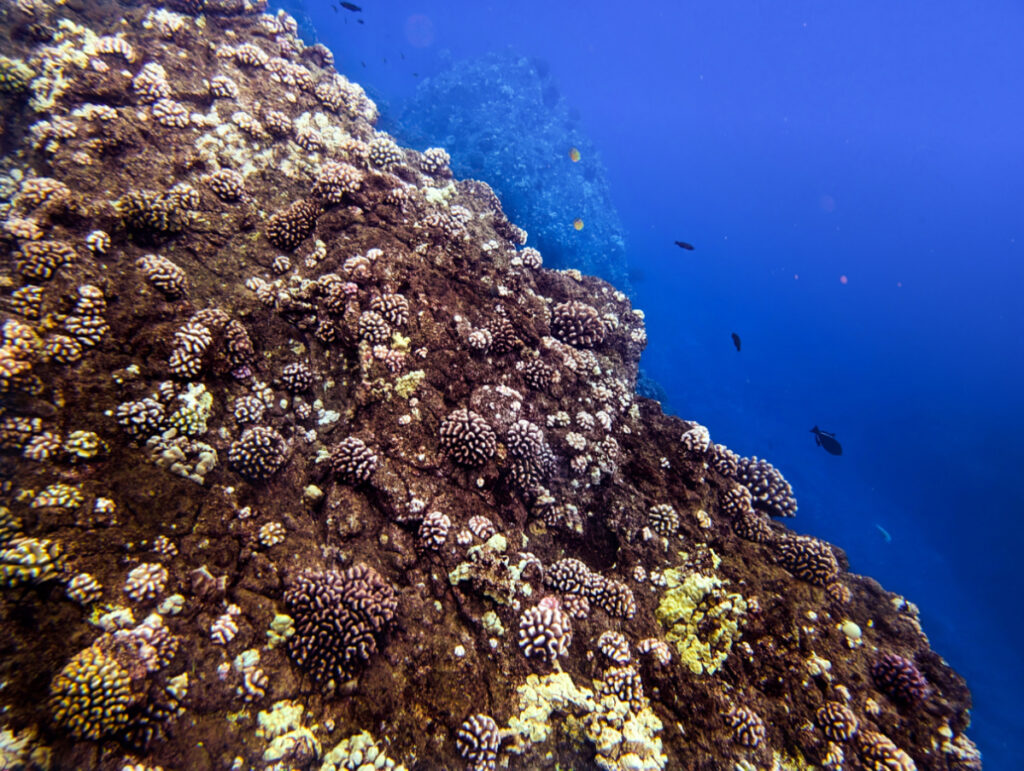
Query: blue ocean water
[{"x": 852, "y": 177}]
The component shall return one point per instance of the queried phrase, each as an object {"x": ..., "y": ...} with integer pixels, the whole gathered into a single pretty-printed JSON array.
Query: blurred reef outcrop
[
  {"x": 308, "y": 463},
  {"x": 504, "y": 120}
]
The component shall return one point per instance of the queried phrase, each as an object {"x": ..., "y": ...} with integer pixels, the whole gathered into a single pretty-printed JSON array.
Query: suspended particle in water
[{"x": 843, "y": 279}]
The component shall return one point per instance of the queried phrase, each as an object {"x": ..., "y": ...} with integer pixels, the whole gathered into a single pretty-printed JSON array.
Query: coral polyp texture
[
  {"x": 308, "y": 463},
  {"x": 339, "y": 617}
]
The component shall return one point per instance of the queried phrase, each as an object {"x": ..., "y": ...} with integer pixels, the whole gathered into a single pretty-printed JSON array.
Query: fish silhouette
[
  {"x": 684, "y": 245},
  {"x": 736, "y": 340},
  {"x": 351, "y": 7},
  {"x": 827, "y": 440}
]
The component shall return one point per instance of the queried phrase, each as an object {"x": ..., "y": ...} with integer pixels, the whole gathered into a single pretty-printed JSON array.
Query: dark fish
[
  {"x": 827, "y": 440},
  {"x": 360, "y": 21},
  {"x": 736, "y": 340},
  {"x": 334, "y": 7},
  {"x": 351, "y": 7},
  {"x": 684, "y": 245}
]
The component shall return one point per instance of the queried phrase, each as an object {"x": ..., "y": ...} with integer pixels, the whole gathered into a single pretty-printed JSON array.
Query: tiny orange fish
[
  {"x": 574, "y": 155},
  {"x": 577, "y": 223}
]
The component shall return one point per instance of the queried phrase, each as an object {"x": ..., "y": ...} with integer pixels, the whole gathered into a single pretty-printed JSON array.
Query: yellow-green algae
[
  {"x": 623, "y": 738},
  {"x": 407, "y": 384},
  {"x": 701, "y": 619}
]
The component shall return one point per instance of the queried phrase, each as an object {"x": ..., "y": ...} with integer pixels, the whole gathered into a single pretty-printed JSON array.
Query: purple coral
[
  {"x": 768, "y": 488},
  {"x": 352, "y": 461},
  {"x": 477, "y": 741},
  {"x": 877, "y": 752},
  {"x": 807, "y": 558},
  {"x": 334, "y": 180},
  {"x": 538, "y": 375},
  {"x": 339, "y": 619},
  {"x": 615, "y": 646},
  {"x": 545, "y": 630},
  {"x": 624, "y": 683},
  {"x": 227, "y": 184},
  {"x": 899, "y": 679},
  {"x": 394, "y": 308},
  {"x": 532, "y": 459},
  {"x": 434, "y": 530},
  {"x": 259, "y": 453},
  {"x": 290, "y": 227},
  {"x": 163, "y": 274},
  {"x": 578, "y": 324},
  {"x": 467, "y": 438},
  {"x": 570, "y": 576},
  {"x": 747, "y": 726},
  {"x": 297, "y": 378},
  {"x": 837, "y": 721}
]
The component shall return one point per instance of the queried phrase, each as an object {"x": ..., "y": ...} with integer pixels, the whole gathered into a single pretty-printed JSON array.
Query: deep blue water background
[{"x": 792, "y": 144}]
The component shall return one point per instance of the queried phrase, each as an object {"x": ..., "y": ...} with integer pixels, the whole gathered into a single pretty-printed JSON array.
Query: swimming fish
[
  {"x": 574, "y": 155},
  {"x": 577, "y": 223},
  {"x": 736, "y": 340},
  {"x": 684, "y": 245},
  {"x": 827, "y": 440},
  {"x": 884, "y": 532},
  {"x": 351, "y": 7}
]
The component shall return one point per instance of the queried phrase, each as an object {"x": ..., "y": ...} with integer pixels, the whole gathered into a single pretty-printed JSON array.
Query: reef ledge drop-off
[{"x": 308, "y": 464}]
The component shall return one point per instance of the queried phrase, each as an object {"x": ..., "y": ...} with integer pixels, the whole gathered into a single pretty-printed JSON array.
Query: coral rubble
[{"x": 377, "y": 483}]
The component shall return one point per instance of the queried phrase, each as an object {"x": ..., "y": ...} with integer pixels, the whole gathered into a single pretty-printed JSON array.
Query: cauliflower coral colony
[{"x": 310, "y": 465}]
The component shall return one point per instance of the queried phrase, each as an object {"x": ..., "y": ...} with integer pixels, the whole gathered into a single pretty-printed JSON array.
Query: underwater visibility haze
[{"x": 531, "y": 385}]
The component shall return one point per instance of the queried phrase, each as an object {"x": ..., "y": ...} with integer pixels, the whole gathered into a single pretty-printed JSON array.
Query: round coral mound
[{"x": 339, "y": 617}]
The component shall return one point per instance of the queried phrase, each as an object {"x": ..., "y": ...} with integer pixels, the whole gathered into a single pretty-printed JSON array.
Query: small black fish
[
  {"x": 827, "y": 440},
  {"x": 736, "y": 340},
  {"x": 360, "y": 21},
  {"x": 334, "y": 7},
  {"x": 363, "y": 63},
  {"x": 351, "y": 7},
  {"x": 684, "y": 245}
]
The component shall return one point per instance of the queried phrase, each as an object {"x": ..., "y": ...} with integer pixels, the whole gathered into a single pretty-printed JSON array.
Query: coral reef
[{"x": 375, "y": 478}]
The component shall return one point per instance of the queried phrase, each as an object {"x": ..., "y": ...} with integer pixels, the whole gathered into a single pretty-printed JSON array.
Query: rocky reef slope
[{"x": 308, "y": 465}]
